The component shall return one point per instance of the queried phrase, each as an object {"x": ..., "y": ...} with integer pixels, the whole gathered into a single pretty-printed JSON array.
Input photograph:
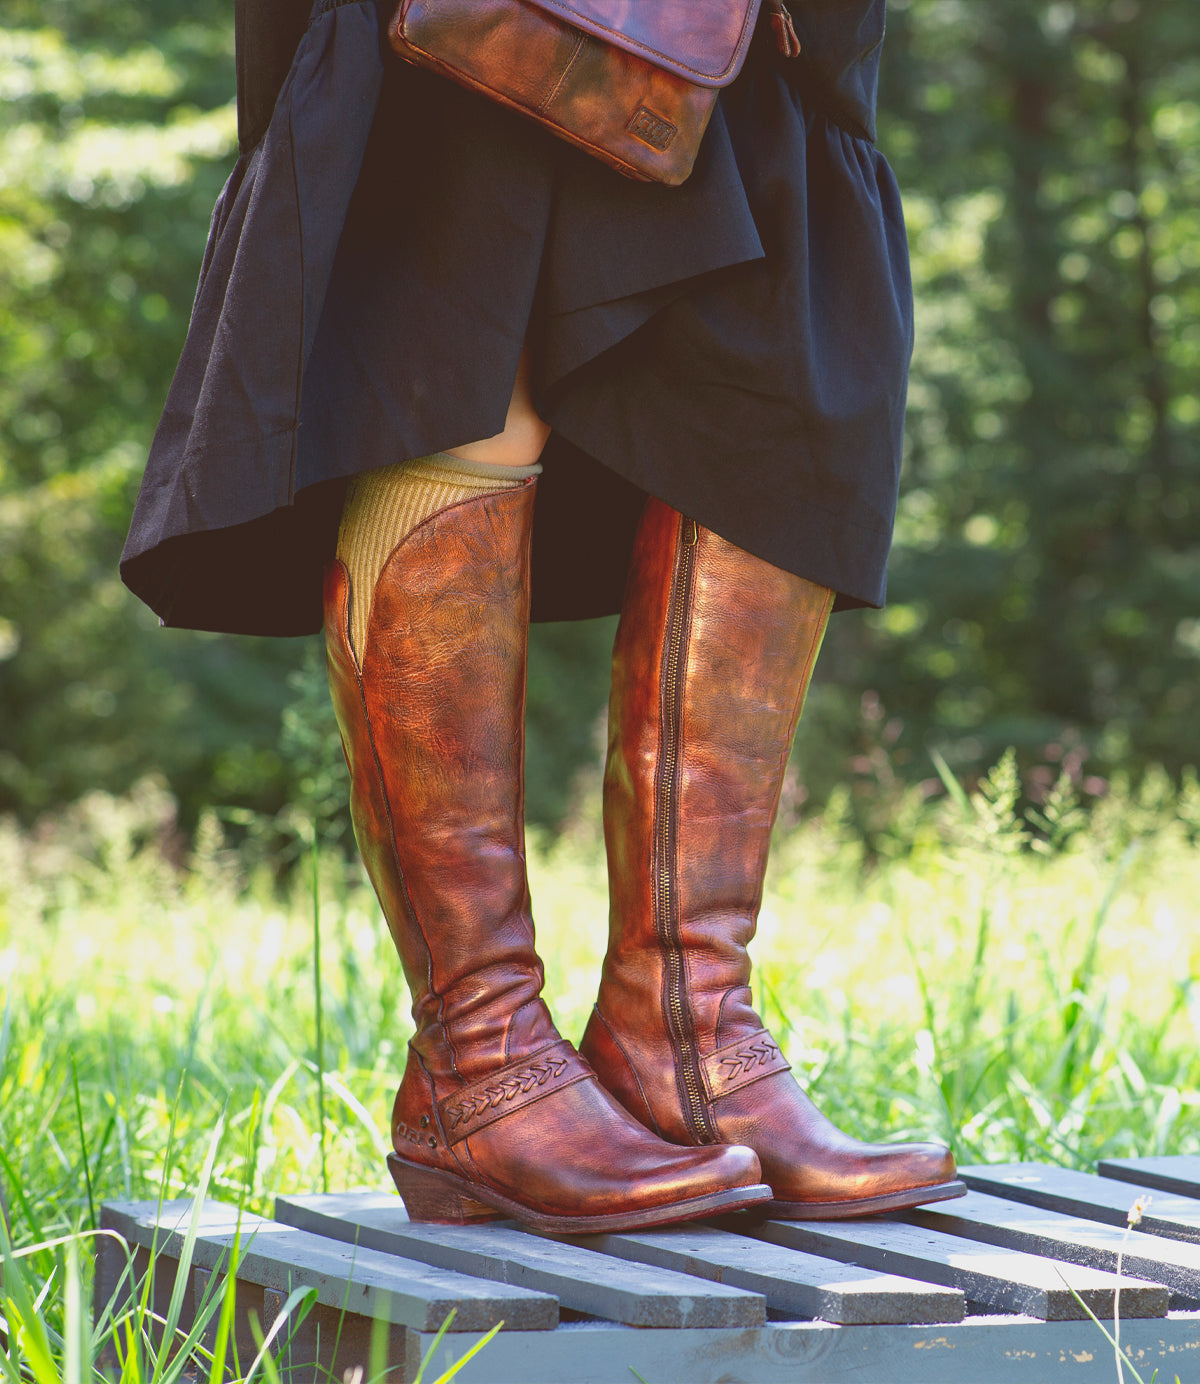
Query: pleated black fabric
[{"x": 737, "y": 346}]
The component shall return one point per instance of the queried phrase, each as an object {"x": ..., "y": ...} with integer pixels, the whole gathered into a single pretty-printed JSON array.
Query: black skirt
[{"x": 737, "y": 346}]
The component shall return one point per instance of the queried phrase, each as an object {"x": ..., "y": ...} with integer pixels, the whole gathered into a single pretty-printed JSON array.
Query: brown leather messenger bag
[{"x": 633, "y": 82}]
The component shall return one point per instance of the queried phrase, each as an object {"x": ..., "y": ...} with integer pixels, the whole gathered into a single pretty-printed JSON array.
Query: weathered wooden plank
[
  {"x": 580, "y": 1278},
  {"x": 121, "y": 1277},
  {"x": 334, "y": 1345},
  {"x": 978, "y": 1216},
  {"x": 1178, "y": 1173},
  {"x": 1082, "y": 1194},
  {"x": 362, "y": 1281},
  {"x": 247, "y": 1298},
  {"x": 980, "y": 1350},
  {"x": 1007, "y": 1279},
  {"x": 797, "y": 1284}
]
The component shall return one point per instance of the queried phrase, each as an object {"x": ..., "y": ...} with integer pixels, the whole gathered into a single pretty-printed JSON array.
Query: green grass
[{"x": 1024, "y": 994}]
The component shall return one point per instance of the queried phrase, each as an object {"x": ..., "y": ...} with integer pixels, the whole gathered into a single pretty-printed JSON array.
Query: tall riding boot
[
  {"x": 496, "y": 1114},
  {"x": 713, "y": 655}
]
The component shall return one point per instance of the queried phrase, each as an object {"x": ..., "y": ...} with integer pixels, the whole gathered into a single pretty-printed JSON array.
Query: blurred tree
[
  {"x": 1046, "y": 580},
  {"x": 117, "y": 128},
  {"x": 1046, "y": 576}
]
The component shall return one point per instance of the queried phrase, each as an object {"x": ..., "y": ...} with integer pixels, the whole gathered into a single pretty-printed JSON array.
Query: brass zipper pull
[{"x": 786, "y": 38}]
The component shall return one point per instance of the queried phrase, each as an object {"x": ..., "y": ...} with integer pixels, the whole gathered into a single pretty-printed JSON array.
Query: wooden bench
[{"x": 985, "y": 1288}]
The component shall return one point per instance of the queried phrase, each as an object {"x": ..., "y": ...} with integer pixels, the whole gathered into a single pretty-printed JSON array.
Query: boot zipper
[{"x": 679, "y": 1019}]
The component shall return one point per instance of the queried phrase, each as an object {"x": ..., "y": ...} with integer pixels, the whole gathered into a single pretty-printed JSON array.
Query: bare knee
[{"x": 524, "y": 435}]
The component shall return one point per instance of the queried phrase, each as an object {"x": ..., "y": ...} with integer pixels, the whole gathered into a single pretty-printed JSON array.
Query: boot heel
[{"x": 432, "y": 1197}]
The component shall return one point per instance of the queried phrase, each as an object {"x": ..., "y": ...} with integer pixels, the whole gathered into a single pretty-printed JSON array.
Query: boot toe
[
  {"x": 711, "y": 1169},
  {"x": 579, "y": 1154},
  {"x": 932, "y": 1164},
  {"x": 879, "y": 1177},
  {"x": 866, "y": 1174}
]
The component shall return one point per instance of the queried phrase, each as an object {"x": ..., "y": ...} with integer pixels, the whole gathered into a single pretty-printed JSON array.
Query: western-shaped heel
[{"x": 434, "y": 1197}]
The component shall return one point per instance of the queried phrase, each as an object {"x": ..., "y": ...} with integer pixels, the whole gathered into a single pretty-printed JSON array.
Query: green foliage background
[{"x": 1046, "y": 579}]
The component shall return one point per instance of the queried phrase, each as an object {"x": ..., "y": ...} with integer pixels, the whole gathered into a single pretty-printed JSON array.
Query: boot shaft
[
  {"x": 432, "y": 725},
  {"x": 713, "y": 655}
]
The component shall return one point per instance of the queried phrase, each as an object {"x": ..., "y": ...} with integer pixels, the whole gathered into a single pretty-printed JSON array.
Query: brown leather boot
[
  {"x": 496, "y": 1114},
  {"x": 713, "y": 655}
]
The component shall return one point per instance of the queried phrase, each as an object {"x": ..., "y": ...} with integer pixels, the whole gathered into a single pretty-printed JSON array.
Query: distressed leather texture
[
  {"x": 712, "y": 660},
  {"x": 512, "y": 1088},
  {"x": 632, "y": 83},
  {"x": 433, "y": 730}
]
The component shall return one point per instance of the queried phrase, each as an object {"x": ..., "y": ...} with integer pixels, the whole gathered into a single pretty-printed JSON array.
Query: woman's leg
[
  {"x": 712, "y": 660},
  {"x": 524, "y": 435},
  {"x": 496, "y": 1114},
  {"x": 384, "y": 505}
]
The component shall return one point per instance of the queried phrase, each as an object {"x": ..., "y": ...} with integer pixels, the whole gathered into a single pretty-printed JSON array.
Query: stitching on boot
[
  {"x": 740, "y": 1063},
  {"x": 517, "y": 1084},
  {"x": 512, "y": 1088}
]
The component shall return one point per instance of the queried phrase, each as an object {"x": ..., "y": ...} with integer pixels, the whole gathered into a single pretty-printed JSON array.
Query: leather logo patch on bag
[{"x": 651, "y": 129}]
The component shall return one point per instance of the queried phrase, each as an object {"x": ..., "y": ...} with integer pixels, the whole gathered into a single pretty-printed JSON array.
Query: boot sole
[
  {"x": 864, "y": 1206},
  {"x": 435, "y": 1197}
]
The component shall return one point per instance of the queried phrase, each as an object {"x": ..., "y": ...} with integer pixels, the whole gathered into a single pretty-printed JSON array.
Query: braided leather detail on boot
[
  {"x": 512, "y": 1088},
  {"x": 741, "y": 1062}
]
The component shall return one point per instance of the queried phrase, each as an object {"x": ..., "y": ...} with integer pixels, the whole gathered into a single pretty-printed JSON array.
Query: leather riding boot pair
[
  {"x": 496, "y": 1114},
  {"x": 712, "y": 660}
]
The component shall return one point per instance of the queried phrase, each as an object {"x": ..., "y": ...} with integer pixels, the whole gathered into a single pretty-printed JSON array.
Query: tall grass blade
[
  {"x": 131, "y": 1363},
  {"x": 183, "y": 1274},
  {"x": 17, "y": 1188},
  {"x": 10, "y": 1365},
  {"x": 177, "y": 1362},
  {"x": 73, "y": 1321},
  {"x": 381, "y": 1335},
  {"x": 364, "y": 1116},
  {"x": 6, "y": 1028},
  {"x": 316, "y": 915},
  {"x": 433, "y": 1345},
  {"x": 1084, "y": 972},
  {"x": 449, "y": 1374},
  {"x": 253, "y": 1143},
  {"x": 1122, "y": 1359},
  {"x": 87, "y": 1169},
  {"x": 952, "y": 785},
  {"x": 27, "y": 1332},
  {"x": 169, "y": 1149},
  {"x": 302, "y": 1298},
  {"x": 216, "y": 1372}
]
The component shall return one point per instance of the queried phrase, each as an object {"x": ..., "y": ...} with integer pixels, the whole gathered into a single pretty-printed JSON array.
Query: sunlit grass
[{"x": 1023, "y": 996}]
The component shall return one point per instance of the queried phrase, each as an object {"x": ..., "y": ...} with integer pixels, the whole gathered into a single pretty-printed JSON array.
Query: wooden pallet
[{"x": 985, "y": 1288}]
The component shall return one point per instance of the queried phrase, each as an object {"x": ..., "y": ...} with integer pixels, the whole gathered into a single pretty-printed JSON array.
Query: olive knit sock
[{"x": 383, "y": 507}]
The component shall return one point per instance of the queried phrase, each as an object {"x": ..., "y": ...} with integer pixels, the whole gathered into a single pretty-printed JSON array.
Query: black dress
[{"x": 737, "y": 346}]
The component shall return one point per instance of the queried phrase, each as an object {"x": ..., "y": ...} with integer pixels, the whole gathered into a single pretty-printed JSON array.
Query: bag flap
[{"x": 703, "y": 41}]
